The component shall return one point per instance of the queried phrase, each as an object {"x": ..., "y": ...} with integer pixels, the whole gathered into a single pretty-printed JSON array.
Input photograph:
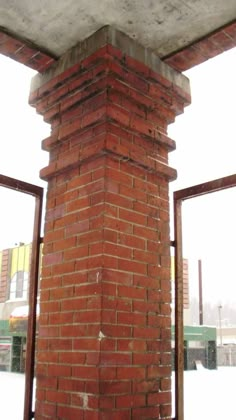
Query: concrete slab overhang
[{"x": 164, "y": 26}]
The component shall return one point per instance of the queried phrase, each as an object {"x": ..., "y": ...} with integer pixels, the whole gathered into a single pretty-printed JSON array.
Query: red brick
[
  {"x": 117, "y": 225},
  {"x": 86, "y": 344},
  {"x": 86, "y": 372},
  {"x": 146, "y": 413},
  {"x": 133, "y": 194},
  {"x": 52, "y": 258},
  {"x": 108, "y": 344},
  {"x": 145, "y": 232},
  {"x": 117, "y": 250},
  {"x": 75, "y": 278},
  {"x": 115, "y": 303},
  {"x": 131, "y": 318},
  {"x": 69, "y": 413},
  {"x": 130, "y": 401},
  {"x": 59, "y": 370},
  {"x": 92, "y": 358},
  {"x": 46, "y": 409},
  {"x": 116, "y": 331},
  {"x": 49, "y": 306},
  {"x": 61, "y": 318},
  {"x": 115, "y": 359},
  {"x": 117, "y": 200},
  {"x": 146, "y": 281},
  {"x": 146, "y": 359},
  {"x": 133, "y": 241},
  {"x": 115, "y": 387},
  {"x": 132, "y": 217},
  {"x": 91, "y": 415},
  {"x": 114, "y": 415},
  {"x": 73, "y": 331},
  {"x": 148, "y": 333},
  {"x": 130, "y": 373},
  {"x": 105, "y": 298},
  {"x": 159, "y": 398},
  {"x": 69, "y": 384},
  {"x": 48, "y": 357},
  {"x": 57, "y": 396}
]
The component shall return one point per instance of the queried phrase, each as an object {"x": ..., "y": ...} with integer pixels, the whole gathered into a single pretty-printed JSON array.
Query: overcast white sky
[
  {"x": 206, "y": 149},
  {"x": 21, "y": 132}
]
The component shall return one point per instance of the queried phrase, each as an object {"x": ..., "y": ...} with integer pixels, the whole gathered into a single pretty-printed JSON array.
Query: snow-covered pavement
[
  {"x": 11, "y": 396},
  {"x": 209, "y": 394}
]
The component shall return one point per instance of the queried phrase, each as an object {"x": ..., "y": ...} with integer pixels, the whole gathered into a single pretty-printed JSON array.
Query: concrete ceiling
[{"x": 165, "y": 26}]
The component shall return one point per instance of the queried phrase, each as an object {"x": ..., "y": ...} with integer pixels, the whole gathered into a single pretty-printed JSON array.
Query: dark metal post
[
  {"x": 179, "y": 196},
  {"x": 179, "y": 324},
  {"x": 37, "y": 193},
  {"x": 200, "y": 292},
  {"x": 32, "y": 317}
]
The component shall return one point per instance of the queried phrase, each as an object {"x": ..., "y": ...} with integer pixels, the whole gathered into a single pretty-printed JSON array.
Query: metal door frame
[
  {"x": 179, "y": 196},
  {"x": 37, "y": 193}
]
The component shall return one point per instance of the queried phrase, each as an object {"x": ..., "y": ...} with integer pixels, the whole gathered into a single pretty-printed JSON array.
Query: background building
[{"x": 14, "y": 282}]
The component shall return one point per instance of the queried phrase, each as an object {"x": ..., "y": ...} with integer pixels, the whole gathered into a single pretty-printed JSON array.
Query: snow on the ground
[
  {"x": 11, "y": 395},
  {"x": 209, "y": 394}
]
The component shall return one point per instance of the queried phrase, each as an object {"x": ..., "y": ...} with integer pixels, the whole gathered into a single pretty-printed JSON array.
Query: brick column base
[{"x": 104, "y": 346}]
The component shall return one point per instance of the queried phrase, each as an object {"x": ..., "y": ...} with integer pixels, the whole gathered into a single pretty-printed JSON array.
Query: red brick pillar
[{"x": 104, "y": 347}]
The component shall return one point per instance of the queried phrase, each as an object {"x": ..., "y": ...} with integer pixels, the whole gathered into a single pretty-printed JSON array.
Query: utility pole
[
  {"x": 200, "y": 292},
  {"x": 220, "y": 326}
]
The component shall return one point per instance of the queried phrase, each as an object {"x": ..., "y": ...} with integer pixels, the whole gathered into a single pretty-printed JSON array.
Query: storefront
[{"x": 13, "y": 336}]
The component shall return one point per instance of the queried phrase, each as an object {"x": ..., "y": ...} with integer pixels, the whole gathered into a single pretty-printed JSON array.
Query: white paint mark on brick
[
  {"x": 101, "y": 336},
  {"x": 84, "y": 397}
]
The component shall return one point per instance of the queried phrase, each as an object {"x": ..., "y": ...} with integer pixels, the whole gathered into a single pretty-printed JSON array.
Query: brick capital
[
  {"x": 84, "y": 104},
  {"x": 127, "y": 47}
]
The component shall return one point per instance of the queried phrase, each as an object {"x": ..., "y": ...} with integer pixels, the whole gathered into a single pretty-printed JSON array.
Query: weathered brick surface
[
  {"x": 104, "y": 346},
  {"x": 204, "y": 49},
  {"x": 24, "y": 52}
]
